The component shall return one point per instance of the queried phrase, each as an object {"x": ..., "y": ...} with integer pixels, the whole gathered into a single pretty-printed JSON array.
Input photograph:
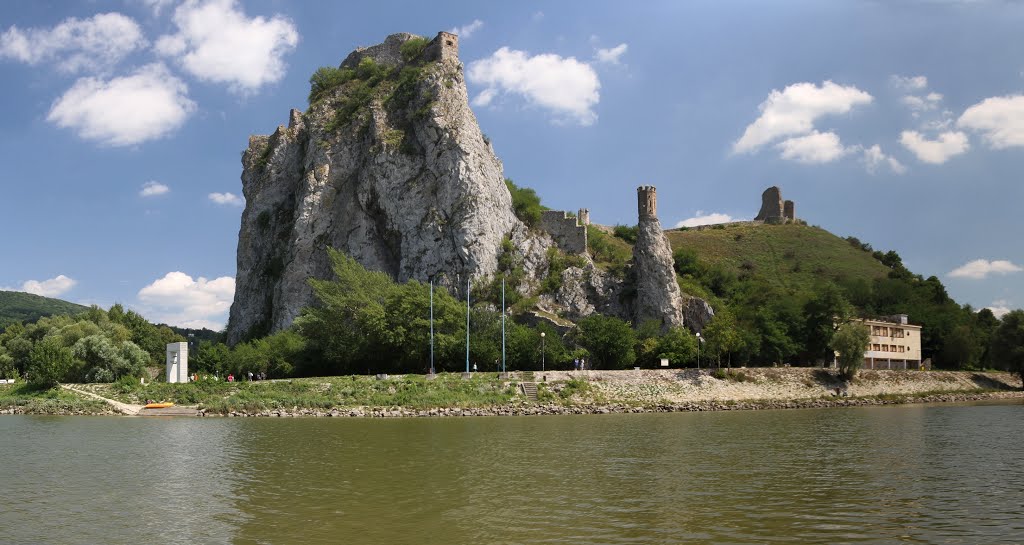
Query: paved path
[{"x": 123, "y": 408}]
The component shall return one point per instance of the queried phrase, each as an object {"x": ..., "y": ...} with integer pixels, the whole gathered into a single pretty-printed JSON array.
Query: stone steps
[{"x": 529, "y": 390}]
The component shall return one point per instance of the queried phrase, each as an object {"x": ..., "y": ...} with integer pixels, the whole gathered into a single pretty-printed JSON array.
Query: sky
[{"x": 122, "y": 124}]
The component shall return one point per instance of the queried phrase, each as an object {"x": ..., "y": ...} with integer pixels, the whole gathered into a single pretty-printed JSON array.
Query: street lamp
[
  {"x": 698, "y": 350},
  {"x": 542, "y": 351}
]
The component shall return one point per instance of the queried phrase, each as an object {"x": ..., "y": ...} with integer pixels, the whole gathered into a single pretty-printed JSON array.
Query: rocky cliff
[{"x": 388, "y": 166}]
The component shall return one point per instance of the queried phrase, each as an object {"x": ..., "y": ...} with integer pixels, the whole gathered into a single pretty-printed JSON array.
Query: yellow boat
[{"x": 158, "y": 405}]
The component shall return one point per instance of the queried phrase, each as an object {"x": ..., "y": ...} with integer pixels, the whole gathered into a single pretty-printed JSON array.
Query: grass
[
  {"x": 32, "y": 400},
  {"x": 791, "y": 256},
  {"x": 410, "y": 391},
  {"x": 25, "y": 307}
]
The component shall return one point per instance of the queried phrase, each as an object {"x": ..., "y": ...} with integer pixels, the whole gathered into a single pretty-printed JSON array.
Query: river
[{"x": 915, "y": 474}]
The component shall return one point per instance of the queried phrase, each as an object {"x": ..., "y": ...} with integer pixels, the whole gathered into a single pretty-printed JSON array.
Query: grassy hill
[
  {"x": 791, "y": 256},
  {"x": 16, "y": 306}
]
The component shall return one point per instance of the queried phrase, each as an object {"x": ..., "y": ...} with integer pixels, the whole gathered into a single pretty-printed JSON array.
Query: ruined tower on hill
[
  {"x": 657, "y": 293},
  {"x": 774, "y": 209}
]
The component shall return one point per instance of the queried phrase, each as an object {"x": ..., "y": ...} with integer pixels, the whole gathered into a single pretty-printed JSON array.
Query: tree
[
  {"x": 48, "y": 363},
  {"x": 821, "y": 314},
  {"x": 1008, "y": 343},
  {"x": 678, "y": 346},
  {"x": 609, "y": 340},
  {"x": 850, "y": 341},
  {"x": 723, "y": 337}
]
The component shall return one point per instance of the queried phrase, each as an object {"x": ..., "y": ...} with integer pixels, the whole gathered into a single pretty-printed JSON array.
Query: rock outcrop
[
  {"x": 391, "y": 168},
  {"x": 771, "y": 206},
  {"x": 657, "y": 293}
]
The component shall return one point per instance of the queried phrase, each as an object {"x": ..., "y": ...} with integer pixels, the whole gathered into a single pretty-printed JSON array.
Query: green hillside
[
  {"x": 793, "y": 257},
  {"x": 16, "y": 306}
]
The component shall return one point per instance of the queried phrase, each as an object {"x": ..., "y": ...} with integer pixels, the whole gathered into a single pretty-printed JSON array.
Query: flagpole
[
  {"x": 467, "y": 324},
  {"x": 431, "y": 326},
  {"x": 502, "y": 324}
]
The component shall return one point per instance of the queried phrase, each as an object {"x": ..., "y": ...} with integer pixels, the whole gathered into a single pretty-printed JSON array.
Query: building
[{"x": 894, "y": 344}]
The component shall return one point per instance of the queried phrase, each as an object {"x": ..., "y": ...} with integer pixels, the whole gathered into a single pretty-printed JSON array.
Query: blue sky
[{"x": 901, "y": 123}]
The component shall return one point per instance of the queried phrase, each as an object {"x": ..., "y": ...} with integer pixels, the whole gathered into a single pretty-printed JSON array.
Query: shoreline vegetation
[{"x": 558, "y": 392}]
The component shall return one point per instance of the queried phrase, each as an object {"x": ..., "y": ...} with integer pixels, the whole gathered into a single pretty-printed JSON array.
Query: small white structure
[{"x": 177, "y": 362}]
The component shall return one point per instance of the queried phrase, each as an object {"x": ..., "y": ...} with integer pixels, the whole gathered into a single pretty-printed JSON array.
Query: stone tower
[
  {"x": 771, "y": 206},
  {"x": 789, "y": 211},
  {"x": 657, "y": 293},
  {"x": 584, "y": 217},
  {"x": 444, "y": 47},
  {"x": 647, "y": 201}
]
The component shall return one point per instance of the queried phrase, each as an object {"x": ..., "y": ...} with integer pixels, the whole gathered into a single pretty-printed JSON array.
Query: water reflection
[{"x": 874, "y": 475}]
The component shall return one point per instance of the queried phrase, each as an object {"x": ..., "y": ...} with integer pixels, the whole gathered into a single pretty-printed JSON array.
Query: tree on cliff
[
  {"x": 850, "y": 341},
  {"x": 1008, "y": 344}
]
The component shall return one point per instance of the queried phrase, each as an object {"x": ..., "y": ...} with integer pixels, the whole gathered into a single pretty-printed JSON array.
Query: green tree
[
  {"x": 723, "y": 337},
  {"x": 678, "y": 346},
  {"x": 609, "y": 341},
  {"x": 525, "y": 203},
  {"x": 1008, "y": 343},
  {"x": 850, "y": 341},
  {"x": 822, "y": 313},
  {"x": 49, "y": 362}
]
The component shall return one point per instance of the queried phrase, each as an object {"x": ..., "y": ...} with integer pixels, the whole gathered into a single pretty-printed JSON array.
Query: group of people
[
  {"x": 579, "y": 364},
  {"x": 231, "y": 377}
]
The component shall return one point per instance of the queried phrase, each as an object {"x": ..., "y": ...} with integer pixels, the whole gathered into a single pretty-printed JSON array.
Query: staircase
[{"x": 529, "y": 390}]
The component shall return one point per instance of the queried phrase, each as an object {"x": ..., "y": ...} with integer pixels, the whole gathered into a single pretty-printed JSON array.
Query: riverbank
[{"x": 558, "y": 392}]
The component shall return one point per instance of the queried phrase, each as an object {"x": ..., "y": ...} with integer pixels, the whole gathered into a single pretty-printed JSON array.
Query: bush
[
  {"x": 49, "y": 362},
  {"x": 525, "y": 203},
  {"x": 326, "y": 79},
  {"x": 626, "y": 233},
  {"x": 413, "y": 48},
  {"x": 609, "y": 341}
]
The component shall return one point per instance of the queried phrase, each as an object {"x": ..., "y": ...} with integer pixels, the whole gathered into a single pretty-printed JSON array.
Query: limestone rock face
[
  {"x": 697, "y": 313},
  {"x": 587, "y": 290},
  {"x": 657, "y": 293},
  {"x": 407, "y": 184},
  {"x": 771, "y": 206}
]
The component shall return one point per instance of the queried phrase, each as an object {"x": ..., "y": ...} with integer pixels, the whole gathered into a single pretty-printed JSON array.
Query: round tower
[
  {"x": 584, "y": 216},
  {"x": 647, "y": 201}
]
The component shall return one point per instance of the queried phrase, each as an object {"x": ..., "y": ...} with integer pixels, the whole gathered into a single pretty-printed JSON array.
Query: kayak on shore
[{"x": 158, "y": 405}]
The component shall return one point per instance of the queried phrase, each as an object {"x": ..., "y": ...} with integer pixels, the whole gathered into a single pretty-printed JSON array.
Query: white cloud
[
  {"x": 216, "y": 42},
  {"x": 153, "y": 188},
  {"x": 47, "y": 288},
  {"x": 466, "y": 31},
  {"x": 705, "y": 219},
  {"x": 814, "y": 148},
  {"x": 96, "y": 43},
  {"x": 922, "y": 103},
  {"x": 226, "y": 199},
  {"x": 981, "y": 268},
  {"x": 949, "y": 144},
  {"x": 873, "y": 158},
  {"x": 563, "y": 85},
  {"x": 124, "y": 111},
  {"x": 999, "y": 119},
  {"x": 909, "y": 83},
  {"x": 793, "y": 111},
  {"x": 177, "y": 299},
  {"x": 1000, "y": 308},
  {"x": 611, "y": 56}
]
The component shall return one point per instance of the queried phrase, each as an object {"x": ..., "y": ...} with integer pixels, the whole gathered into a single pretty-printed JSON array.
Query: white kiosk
[{"x": 177, "y": 362}]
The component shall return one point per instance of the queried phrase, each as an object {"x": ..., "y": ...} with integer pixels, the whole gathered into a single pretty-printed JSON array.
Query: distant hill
[
  {"x": 794, "y": 257},
  {"x": 16, "y": 306}
]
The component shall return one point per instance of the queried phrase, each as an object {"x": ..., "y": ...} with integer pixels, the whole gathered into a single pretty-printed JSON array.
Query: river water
[{"x": 915, "y": 474}]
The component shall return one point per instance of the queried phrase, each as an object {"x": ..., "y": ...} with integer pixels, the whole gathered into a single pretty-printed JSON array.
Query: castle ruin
[
  {"x": 774, "y": 210},
  {"x": 569, "y": 233}
]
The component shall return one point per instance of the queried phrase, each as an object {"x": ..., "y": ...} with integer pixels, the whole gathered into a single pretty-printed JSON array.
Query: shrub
[
  {"x": 626, "y": 233},
  {"x": 413, "y": 48},
  {"x": 49, "y": 362},
  {"x": 525, "y": 203},
  {"x": 326, "y": 79}
]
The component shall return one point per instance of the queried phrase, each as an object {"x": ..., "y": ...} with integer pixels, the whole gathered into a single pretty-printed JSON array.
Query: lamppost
[
  {"x": 542, "y": 351},
  {"x": 698, "y": 349},
  {"x": 431, "y": 326}
]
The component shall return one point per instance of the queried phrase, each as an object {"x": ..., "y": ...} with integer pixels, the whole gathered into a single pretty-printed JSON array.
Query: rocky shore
[{"x": 525, "y": 409}]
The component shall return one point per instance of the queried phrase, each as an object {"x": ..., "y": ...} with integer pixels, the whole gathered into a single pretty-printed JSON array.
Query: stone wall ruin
[{"x": 570, "y": 233}]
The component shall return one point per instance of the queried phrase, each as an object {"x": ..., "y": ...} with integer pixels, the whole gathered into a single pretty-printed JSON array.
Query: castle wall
[{"x": 570, "y": 236}]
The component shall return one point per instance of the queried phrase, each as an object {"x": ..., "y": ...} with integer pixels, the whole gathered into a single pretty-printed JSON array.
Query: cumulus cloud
[
  {"x": 563, "y": 85},
  {"x": 705, "y": 219},
  {"x": 611, "y": 55},
  {"x": 874, "y": 158},
  {"x": 1000, "y": 120},
  {"x": 465, "y": 31},
  {"x": 124, "y": 111},
  {"x": 794, "y": 110},
  {"x": 227, "y": 199},
  {"x": 75, "y": 45},
  {"x": 178, "y": 299},
  {"x": 47, "y": 288},
  {"x": 814, "y": 148},
  {"x": 948, "y": 144},
  {"x": 1000, "y": 308},
  {"x": 981, "y": 268},
  {"x": 217, "y": 42},
  {"x": 922, "y": 103},
  {"x": 909, "y": 83},
  {"x": 153, "y": 188}
]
